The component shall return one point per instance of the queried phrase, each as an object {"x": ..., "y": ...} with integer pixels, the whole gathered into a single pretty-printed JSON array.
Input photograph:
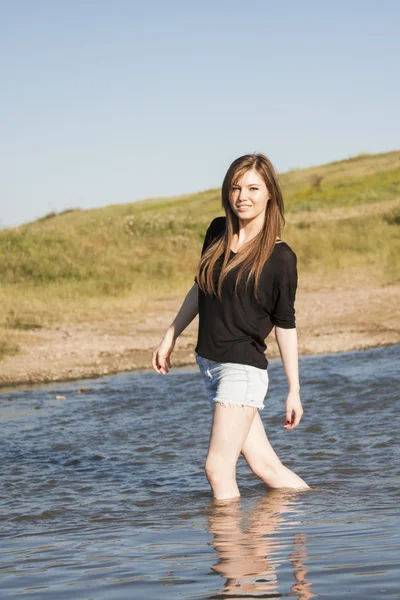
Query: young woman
[{"x": 245, "y": 286}]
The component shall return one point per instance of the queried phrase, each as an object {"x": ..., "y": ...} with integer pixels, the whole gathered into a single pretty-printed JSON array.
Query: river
[{"x": 103, "y": 493}]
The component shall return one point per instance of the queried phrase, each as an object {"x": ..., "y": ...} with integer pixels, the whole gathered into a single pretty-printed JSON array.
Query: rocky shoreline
[{"x": 329, "y": 320}]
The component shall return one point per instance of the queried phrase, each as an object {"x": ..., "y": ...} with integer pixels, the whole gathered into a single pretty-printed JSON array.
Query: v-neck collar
[{"x": 277, "y": 242}]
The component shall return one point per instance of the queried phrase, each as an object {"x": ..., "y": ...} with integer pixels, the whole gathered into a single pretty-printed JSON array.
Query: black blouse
[{"x": 234, "y": 330}]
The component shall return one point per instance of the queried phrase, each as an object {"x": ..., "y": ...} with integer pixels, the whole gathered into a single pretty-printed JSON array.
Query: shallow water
[{"x": 103, "y": 493}]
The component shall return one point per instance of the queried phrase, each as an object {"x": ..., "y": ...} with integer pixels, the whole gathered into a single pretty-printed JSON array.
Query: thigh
[
  {"x": 256, "y": 448},
  {"x": 230, "y": 428}
]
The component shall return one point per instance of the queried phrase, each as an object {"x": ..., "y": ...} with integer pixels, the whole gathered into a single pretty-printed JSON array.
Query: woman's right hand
[{"x": 161, "y": 356}]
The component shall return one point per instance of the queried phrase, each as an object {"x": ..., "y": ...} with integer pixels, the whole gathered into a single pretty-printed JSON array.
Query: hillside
[{"x": 81, "y": 267}]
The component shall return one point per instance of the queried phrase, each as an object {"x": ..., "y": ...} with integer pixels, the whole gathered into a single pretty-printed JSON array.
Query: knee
[
  {"x": 217, "y": 471},
  {"x": 212, "y": 469}
]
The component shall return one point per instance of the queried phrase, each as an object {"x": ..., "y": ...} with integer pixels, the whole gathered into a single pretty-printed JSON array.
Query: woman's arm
[
  {"x": 287, "y": 344},
  {"x": 161, "y": 356}
]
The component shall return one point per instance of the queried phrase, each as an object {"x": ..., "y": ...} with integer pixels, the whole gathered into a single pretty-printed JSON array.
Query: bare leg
[
  {"x": 264, "y": 462},
  {"x": 230, "y": 427}
]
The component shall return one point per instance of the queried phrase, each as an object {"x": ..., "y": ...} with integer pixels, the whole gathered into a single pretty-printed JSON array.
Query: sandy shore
[{"x": 347, "y": 315}]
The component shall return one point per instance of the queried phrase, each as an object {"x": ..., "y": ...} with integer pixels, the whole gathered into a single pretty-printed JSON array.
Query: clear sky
[{"x": 109, "y": 102}]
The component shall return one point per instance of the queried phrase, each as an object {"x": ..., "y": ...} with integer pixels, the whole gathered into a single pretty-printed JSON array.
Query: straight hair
[{"x": 254, "y": 254}]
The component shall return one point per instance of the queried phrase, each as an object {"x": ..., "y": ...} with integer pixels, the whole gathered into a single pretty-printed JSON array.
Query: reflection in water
[
  {"x": 103, "y": 496},
  {"x": 245, "y": 541},
  {"x": 297, "y": 557}
]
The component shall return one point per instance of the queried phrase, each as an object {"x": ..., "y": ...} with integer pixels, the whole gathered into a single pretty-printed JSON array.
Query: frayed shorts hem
[{"x": 233, "y": 404}]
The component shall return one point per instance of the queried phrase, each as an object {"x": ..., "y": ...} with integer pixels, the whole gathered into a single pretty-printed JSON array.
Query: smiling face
[{"x": 249, "y": 196}]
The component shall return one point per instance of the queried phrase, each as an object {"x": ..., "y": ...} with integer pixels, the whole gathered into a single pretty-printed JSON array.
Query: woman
[{"x": 245, "y": 286}]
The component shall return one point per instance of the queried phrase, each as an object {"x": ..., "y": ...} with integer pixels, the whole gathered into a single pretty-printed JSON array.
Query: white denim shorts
[{"x": 233, "y": 384}]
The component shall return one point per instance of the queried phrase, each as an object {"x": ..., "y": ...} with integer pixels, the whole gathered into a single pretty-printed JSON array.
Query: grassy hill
[{"x": 344, "y": 215}]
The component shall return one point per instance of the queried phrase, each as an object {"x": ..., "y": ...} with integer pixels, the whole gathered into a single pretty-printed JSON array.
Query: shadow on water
[{"x": 103, "y": 492}]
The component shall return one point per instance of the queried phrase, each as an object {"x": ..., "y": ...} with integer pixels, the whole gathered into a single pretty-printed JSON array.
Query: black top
[{"x": 234, "y": 330}]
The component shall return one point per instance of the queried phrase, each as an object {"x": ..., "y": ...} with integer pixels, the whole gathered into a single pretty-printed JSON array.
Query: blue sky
[{"x": 110, "y": 102}]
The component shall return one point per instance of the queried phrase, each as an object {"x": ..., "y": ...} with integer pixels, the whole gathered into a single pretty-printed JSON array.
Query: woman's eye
[{"x": 252, "y": 188}]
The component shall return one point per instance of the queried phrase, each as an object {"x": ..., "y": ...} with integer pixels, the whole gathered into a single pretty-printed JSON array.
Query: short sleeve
[
  {"x": 213, "y": 230},
  {"x": 285, "y": 286},
  {"x": 206, "y": 242}
]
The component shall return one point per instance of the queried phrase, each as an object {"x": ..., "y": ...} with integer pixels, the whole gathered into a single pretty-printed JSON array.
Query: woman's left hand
[{"x": 294, "y": 410}]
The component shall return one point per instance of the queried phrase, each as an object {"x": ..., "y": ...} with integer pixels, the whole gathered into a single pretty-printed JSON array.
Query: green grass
[
  {"x": 334, "y": 246},
  {"x": 372, "y": 188},
  {"x": 392, "y": 217},
  {"x": 152, "y": 246},
  {"x": 7, "y": 349}
]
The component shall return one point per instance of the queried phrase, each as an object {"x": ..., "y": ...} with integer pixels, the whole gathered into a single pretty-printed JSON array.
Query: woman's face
[{"x": 249, "y": 196}]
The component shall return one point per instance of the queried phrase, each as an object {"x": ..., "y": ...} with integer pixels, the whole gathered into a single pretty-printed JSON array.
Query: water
[{"x": 103, "y": 494}]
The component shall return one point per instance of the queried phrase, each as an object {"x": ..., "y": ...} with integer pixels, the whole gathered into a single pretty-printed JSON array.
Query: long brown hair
[{"x": 255, "y": 253}]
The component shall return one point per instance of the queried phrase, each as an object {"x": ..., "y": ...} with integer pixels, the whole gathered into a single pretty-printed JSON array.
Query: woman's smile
[{"x": 249, "y": 196}]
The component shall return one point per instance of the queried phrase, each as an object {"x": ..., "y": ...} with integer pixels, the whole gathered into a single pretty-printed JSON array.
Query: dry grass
[{"x": 84, "y": 265}]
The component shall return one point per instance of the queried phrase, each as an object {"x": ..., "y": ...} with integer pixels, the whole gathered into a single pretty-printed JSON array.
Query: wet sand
[{"x": 346, "y": 315}]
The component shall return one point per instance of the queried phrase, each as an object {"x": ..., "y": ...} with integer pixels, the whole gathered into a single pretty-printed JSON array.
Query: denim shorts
[{"x": 233, "y": 384}]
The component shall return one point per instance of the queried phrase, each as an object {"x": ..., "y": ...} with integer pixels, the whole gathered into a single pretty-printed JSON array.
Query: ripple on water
[{"x": 104, "y": 493}]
